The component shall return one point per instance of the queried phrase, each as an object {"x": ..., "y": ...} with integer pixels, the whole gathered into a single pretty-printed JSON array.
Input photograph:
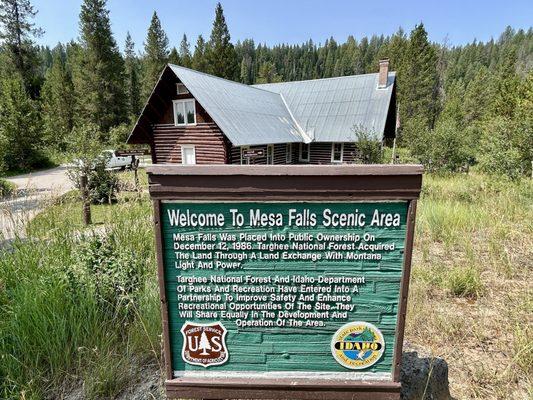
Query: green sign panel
[{"x": 309, "y": 287}]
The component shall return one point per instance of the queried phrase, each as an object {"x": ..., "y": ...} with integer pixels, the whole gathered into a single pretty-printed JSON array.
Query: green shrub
[
  {"x": 499, "y": 154},
  {"x": 103, "y": 184},
  {"x": 368, "y": 148},
  {"x": 112, "y": 274},
  {"x": 6, "y": 188}
]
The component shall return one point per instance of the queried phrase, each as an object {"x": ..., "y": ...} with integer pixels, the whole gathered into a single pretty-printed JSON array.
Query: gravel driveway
[{"x": 34, "y": 190}]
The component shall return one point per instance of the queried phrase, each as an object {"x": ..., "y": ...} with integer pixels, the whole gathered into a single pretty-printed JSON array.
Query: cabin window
[
  {"x": 337, "y": 152},
  {"x": 181, "y": 89},
  {"x": 184, "y": 112},
  {"x": 305, "y": 151},
  {"x": 188, "y": 154},
  {"x": 288, "y": 153},
  {"x": 270, "y": 154}
]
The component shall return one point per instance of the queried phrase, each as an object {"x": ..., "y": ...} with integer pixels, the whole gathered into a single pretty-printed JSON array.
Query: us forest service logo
[
  {"x": 204, "y": 344},
  {"x": 357, "y": 345}
]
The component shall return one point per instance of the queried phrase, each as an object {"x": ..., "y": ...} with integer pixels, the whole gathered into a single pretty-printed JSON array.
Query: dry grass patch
[{"x": 470, "y": 299}]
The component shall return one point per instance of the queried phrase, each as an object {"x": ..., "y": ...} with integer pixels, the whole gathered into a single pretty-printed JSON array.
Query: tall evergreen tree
[
  {"x": 418, "y": 79},
  {"x": 156, "y": 54},
  {"x": 20, "y": 125},
  {"x": 185, "y": 52},
  {"x": 16, "y": 33},
  {"x": 174, "y": 57},
  {"x": 199, "y": 61},
  {"x": 58, "y": 103},
  {"x": 98, "y": 72},
  {"x": 132, "y": 78},
  {"x": 220, "y": 54}
]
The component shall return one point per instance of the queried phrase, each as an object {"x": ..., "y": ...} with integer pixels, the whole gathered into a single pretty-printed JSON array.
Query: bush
[
  {"x": 103, "y": 184},
  {"x": 112, "y": 274},
  {"x": 6, "y": 188},
  {"x": 119, "y": 134},
  {"x": 368, "y": 148},
  {"x": 499, "y": 151},
  {"x": 443, "y": 149}
]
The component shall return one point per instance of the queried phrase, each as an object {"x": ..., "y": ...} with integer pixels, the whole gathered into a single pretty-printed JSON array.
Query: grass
[
  {"x": 56, "y": 328},
  {"x": 470, "y": 283},
  {"x": 470, "y": 286}
]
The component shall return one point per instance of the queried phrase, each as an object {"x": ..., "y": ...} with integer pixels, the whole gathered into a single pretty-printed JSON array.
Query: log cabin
[{"x": 195, "y": 118}]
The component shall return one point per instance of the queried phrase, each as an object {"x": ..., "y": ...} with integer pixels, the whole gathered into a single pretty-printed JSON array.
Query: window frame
[
  {"x": 288, "y": 153},
  {"x": 188, "y": 146},
  {"x": 244, "y": 161},
  {"x": 182, "y": 103},
  {"x": 178, "y": 85},
  {"x": 270, "y": 147},
  {"x": 333, "y": 160},
  {"x": 308, "y": 152}
]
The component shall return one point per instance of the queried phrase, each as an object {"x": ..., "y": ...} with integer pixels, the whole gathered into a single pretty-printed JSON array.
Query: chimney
[{"x": 383, "y": 73}]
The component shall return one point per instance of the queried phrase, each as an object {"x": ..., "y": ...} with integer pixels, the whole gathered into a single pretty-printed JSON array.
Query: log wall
[{"x": 210, "y": 144}]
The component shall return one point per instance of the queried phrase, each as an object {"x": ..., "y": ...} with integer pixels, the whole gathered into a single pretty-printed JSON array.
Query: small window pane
[
  {"x": 337, "y": 151},
  {"x": 180, "y": 115},
  {"x": 288, "y": 153},
  {"x": 188, "y": 156},
  {"x": 304, "y": 154},
  {"x": 189, "y": 111}
]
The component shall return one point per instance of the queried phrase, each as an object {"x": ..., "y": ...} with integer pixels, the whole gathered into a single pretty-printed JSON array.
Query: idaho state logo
[
  {"x": 204, "y": 344},
  {"x": 357, "y": 345}
]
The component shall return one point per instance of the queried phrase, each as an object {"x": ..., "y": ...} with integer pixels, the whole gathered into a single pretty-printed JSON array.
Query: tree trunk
[{"x": 84, "y": 187}]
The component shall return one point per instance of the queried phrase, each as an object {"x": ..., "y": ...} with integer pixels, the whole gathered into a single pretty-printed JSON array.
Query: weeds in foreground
[
  {"x": 73, "y": 304},
  {"x": 471, "y": 283}
]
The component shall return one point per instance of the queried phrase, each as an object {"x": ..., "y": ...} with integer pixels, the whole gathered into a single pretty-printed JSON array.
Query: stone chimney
[{"x": 383, "y": 73}]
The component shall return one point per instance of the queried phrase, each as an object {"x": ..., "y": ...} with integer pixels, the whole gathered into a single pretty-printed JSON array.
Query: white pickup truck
[{"x": 116, "y": 162}]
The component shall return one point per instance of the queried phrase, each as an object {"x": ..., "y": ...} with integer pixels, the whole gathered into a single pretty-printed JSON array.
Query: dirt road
[{"x": 34, "y": 190}]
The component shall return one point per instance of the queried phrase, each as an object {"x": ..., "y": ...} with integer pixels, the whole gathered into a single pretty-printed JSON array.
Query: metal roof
[
  {"x": 320, "y": 110},
  {"x": 328, "y": 110},
  {"x": 247, "y": 115}
]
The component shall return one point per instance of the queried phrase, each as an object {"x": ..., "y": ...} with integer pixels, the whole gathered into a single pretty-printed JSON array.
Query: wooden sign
[
  {"x": 288, "y": 282},
  {"x": 132, "y": 152},
  {"x": 253, "y": 153}
]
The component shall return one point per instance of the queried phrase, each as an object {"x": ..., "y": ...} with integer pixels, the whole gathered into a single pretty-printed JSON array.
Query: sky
[{"x": 293, "y": 21}]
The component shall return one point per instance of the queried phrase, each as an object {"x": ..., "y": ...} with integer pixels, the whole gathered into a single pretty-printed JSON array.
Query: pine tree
[
  {"x": 417, "y": 81},
  {"x": 268, "y": 73},
  {"x": 132, "y": 78},
  {"x": 98, "y": 72},
  {"x": 204, "y": 344},
  {"x": 331, "y": 58},
  {"x": 185, "y": 52},
  {"x": 20, "y": 125},
  {"x": 174, "y": 57},
  {"x": 16, "y": 33},
  {"x": 58, "y": 103},
  {"x": 199, "y": 62},
  {"x": 220, "y": 54},
  {"x": 156, "y": 54}
]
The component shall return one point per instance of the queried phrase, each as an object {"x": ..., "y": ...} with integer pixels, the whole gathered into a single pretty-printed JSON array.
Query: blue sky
[{"x": 290, "y": 21}]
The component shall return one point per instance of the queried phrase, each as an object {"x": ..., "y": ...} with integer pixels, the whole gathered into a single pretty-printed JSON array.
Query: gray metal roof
[
  {"x": 329, "y": 109},
  {"x": 247, "y": 115}
]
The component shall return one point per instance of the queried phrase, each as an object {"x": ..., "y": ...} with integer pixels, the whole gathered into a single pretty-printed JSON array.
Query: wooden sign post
[{"x": 284, "y": 282}]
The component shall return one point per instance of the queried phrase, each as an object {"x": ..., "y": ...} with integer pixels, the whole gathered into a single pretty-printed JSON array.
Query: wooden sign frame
[{"x": 286, "y": 183}]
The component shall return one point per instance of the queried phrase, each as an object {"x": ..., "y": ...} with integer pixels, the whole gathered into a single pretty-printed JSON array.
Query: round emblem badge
[{"x": 357, "y": 345}]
